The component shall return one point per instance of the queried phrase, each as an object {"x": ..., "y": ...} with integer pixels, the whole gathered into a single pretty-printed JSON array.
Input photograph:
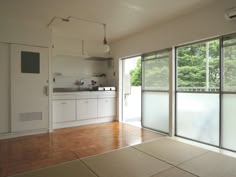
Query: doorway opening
[{"x": 131, "y": 95}]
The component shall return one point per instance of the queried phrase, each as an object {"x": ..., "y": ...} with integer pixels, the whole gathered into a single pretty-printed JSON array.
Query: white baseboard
[
  {"x": 58, "y": 125},
  {"x": 22, "y": 133}
]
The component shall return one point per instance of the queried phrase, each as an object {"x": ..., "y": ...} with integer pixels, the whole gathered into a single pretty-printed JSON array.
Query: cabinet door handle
[{"x": 63, "y": 103}]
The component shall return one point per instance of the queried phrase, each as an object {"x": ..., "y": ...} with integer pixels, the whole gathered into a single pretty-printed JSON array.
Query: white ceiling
[{"x": 123, "y": 17}]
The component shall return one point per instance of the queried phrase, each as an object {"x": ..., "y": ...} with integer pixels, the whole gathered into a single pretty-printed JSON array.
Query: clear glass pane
[
  {"x": 132, "y": 71},
  {"x": 229, "y": 80},
  {"x": 132, "y": 90},
  {"x": 156, "y": 74},
  {"x": 155, "y": 113},
  {"x": 229, "y": 121},
  {"x": 198, "y": 117},
  {"x": 198, "y": 67}
]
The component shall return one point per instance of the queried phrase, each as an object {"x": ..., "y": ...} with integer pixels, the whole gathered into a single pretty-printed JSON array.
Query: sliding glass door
[
  {"x": 198, "y": 92},
  {"x": 155, "y": 90},
  {"x": 229, "y": 93},
  {"x": 131, "y": 98},
  {"x": 205, "y": 91}
]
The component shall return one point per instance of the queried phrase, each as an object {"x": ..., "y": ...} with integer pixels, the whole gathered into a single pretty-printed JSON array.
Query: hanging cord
[
  {"x": 82, "y": 47},
  {"x": 105, "y": 34}
]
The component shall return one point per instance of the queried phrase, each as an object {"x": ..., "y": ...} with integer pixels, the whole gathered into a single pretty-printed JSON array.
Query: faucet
[{"x": 79, "y": 83}]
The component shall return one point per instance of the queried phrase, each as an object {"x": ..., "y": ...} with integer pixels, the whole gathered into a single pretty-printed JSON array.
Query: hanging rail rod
[{"x": 73, "y": 17}]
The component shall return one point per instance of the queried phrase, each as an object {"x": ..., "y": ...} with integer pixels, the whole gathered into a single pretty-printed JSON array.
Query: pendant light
[{"x": 106, "y": 46}]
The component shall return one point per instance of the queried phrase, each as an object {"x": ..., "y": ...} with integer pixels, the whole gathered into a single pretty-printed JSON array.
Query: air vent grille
[{"x": 30, "y": 116}]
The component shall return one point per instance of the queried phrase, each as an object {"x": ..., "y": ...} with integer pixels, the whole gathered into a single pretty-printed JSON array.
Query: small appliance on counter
[{"x": 106, "y": 88}]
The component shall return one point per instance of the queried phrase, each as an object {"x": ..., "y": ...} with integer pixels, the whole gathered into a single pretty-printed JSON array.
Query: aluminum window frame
[{"x": 169, "y": 50}]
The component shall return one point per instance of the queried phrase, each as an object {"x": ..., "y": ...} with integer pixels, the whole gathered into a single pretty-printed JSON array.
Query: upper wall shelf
[
  {"x": 70, "y": 54},
  {"x": 99, "y": 58}
]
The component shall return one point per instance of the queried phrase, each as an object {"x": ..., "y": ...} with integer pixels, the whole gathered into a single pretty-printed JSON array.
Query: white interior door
[{"x": 29, "y": 98}]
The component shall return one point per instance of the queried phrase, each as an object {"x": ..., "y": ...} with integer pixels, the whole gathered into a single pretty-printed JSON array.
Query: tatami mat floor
[{"x": 163, "y": 157}]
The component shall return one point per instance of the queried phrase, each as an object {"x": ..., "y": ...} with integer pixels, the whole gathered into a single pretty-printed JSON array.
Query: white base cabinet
[
  {"x": 87, "y": 109},
  {"x": 64, "y": 110},
  {"x": 82, "y": 108},
  {"x": 106, "y": 107}
]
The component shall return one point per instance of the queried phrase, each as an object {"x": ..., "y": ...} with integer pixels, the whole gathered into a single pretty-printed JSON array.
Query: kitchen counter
[{"x": 83, "y": 94}]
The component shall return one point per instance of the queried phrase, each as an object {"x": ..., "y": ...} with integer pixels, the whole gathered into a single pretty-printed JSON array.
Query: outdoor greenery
[
  {"x": 156, "y": 74},
  {"x": 192, "y": 63},
  {"x": 136, "y": 74},
  {"x": 229, "y": 83}
]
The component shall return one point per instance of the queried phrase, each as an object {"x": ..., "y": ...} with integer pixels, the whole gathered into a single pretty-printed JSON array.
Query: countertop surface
[
  {"x": 84, "y": 92},
  {"x": 72, "y": 90}
]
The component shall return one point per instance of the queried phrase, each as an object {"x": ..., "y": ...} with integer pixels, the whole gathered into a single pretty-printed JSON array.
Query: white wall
[
  {"x": 70, "y": 65},
  {"x": 75, "y": 68},
  {"x": 13, "y": 31},
  {"x": 69, "y": 60},
  {"x": 73, "y": 46},
  {"x": 206, "y": 23}
]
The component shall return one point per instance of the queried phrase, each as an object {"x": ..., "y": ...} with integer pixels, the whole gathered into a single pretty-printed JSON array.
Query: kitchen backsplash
[
  {"x": 69, "y": 71},
  {"x": 62, "y": 81}
]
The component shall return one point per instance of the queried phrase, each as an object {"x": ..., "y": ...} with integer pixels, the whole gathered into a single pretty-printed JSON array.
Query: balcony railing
[{"x": 198, "y": 89}]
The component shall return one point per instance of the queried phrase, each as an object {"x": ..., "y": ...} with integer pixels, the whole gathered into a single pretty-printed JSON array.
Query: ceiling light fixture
[
  {"x": 105, "y": 43},
  {"x": 106, "y": 46}
]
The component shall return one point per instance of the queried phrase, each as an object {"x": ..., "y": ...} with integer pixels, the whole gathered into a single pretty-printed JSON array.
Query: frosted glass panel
[
  {"x": 229, "y": 121},
  {"x": 198, "y": 117},
  {"x": 156, "y": 111}
]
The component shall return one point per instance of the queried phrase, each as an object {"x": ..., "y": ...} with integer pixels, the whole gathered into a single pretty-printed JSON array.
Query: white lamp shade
[{"x": 106, "y": 48}]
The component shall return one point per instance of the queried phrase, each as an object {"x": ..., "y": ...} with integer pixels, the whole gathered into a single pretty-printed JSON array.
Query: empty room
[{"x": 118, "y": 88}]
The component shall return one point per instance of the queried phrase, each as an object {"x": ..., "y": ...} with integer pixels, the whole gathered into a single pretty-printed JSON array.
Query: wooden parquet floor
[{"x": 28, "y": 153}]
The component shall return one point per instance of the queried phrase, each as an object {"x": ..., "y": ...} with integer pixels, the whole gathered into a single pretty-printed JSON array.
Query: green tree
[
  {"x": 192, "y": 65},
  {"x": 136, "y": 78},
  {"x": 229, "y": 79},
  {"x": 156, "y": 74}
]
